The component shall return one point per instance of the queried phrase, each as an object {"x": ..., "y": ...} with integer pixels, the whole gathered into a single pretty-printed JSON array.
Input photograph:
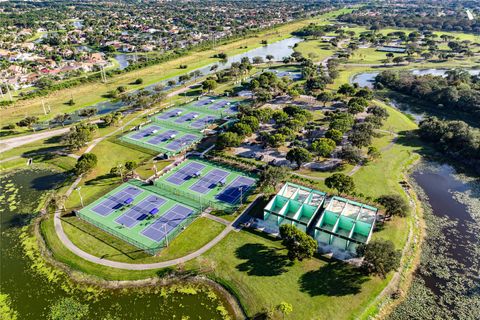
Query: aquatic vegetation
[
  {"x": 446, "y": 284},
  {"x": 6, "y": 311}
]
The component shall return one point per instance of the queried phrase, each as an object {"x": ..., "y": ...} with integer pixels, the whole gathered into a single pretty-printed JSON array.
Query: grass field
[
  {"x": 316, "y": 50},
  {"x": 370, "y": 56},
  {"x": 257, "y": 269},
  {"x": 93, "y": 240}
]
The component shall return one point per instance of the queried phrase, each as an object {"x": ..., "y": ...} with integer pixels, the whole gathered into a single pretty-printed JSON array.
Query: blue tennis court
[
  {"x": 167, "y": 222},
  {"x": 203, "y": 102},
  {"x": 116, "y": 201},
  {"x": 170, "y": 113},
  {"x": 187, "y": 117},
  {"x": 164, "y": 136},
  {"x": 181, "y": 142},
  {"x": 185, "y": 173},
  {"x": 145, "y": 132},
  {"x": 232, "y": 109},
  {"x": 140, "y": 211},
  {"x": 219, "y": 105},
  {"x": 235, "y": 190},
  {"x": 209, "y": 181},
  {"x": 203, "y": 122}
]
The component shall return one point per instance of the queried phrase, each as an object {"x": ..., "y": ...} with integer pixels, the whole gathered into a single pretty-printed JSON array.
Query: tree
[
  {"x": 276, "y": 140},
  {"x": 373, "y": 153},
  {"x": 285, "y": 308},
  {"x": 27, "y": 122},
  {"x": 80, "y": 134},
  {"x": 335, "y": 135},
  {"x": 228, "y": 140},
  {"x": 346, "y": 89},
  {"x": 325, "y": 96},
  {"x": 300, "y": 246},
  {"x": 299, "y": 155},
  {"x": 130, "y": 165},
  {"x": 340, "y": 182},
  {"x": 112, "y": 119},
  {"x": 68, "y": 309},
  {"x": 251, "y": 121},
  {"x": 271, "y": 176},
  {"x": 323, "y": 147},
  {"x": 242, "y": 129},
  {"x": 87, "y": 112},
  {"x": 62, "y": 118},
  {"x": 280, "y": 116},
  {"x": 351, "y": 154},
  {"x": 138, "y": 81},
  {"x": 209, "y": 85},
  {"x": 257, "y": 60},
  {"x": 85, "y": 163},
  {"x": 380, "y": 257},
  {"x": 394, "y": 204},
  {"x": 398, "y": 60}
]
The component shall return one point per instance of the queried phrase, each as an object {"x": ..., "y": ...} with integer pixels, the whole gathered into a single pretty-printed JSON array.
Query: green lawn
[
  {"x": 258, "y": 271},
  {"x": 101, "y": 244},
  {"x": 98, "y": 182},
  {"x": 370, "y": 56},
  {"x": 315, "y": 49}
]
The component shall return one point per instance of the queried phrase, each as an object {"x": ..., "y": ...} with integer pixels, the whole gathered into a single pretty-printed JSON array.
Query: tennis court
[
  {"x": 168, "y": 222},
  {"x": 147, "y": 221},
  {"x": 207, "y": 181},
  {"x": 235, "y": 190},
  {"x": 161, "y": 138},
  {"x": 184, "y": 119}
]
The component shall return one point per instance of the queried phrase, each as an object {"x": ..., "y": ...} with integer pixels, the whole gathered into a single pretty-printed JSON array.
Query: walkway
[{"x": 10, "y": 143}]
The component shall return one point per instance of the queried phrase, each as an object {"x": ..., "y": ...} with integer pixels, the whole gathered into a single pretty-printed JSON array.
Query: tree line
[{"x": 458, "y": 91}]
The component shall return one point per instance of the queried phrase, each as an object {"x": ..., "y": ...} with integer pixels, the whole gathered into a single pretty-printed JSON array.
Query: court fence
[
  {"x": 185, "y": 197},
  {"x": 180, "y": 127},
  {"x": 152, "y": 250}
]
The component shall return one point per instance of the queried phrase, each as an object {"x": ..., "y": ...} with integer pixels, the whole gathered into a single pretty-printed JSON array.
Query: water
[
  {"x": 123, "y": 61},
  {"x": 278, "y": 50},
  {"x": 445, "y": 285},
  {"x": 32, "y": 294},
  {"x": 367, "y": 79}
]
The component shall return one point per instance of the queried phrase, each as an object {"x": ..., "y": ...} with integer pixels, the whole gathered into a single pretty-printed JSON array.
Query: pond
[
  {"x": 278, "y": 50},
  {"x": 366, "y": 79},
  {"x": 446, "y": 283},
  {"x": 32, "y": 295}
]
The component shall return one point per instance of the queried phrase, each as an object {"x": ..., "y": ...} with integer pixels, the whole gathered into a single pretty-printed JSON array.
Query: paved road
[{"x": 10, "y": 143}]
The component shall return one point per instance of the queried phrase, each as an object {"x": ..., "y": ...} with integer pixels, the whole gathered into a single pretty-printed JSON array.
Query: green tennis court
[
  {"x": 140, "y": 215},
  {"x": 162, "y": 139},
  {"x": 215, "y": 185}
]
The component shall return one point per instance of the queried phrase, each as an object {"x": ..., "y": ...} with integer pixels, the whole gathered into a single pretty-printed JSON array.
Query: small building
[
  {"x": 295, "y": 205},
  {"x": 344, "y": 224}
]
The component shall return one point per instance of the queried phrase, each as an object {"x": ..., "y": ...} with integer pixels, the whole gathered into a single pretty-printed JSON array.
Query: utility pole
[
  {"x": 166, "y": 238},
  {"x": 8, "y": 91},
  {"x": 43, "y": 106},
  {"x": 80, "y": 195}
]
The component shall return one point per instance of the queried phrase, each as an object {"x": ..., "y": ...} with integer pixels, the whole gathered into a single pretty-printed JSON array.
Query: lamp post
[{"x": 80, "y": 195}]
